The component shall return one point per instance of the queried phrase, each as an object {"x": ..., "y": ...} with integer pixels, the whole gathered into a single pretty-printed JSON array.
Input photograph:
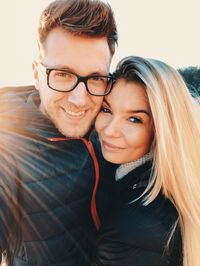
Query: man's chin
[{"x": 76, "y": 132}]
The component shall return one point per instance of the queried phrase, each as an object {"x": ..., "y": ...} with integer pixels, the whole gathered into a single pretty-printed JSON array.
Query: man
[{"x": 48, "y": 181}]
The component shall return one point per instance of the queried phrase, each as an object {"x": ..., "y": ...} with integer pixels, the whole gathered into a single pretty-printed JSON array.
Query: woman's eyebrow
[
  {"x": 139, "y": 111},
  {"x": 132, "y": 111},
  {"x": 104, "y": 100}
]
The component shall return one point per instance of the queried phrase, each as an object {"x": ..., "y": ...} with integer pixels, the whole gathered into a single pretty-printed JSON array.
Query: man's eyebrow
[
  {"x": 59, "y": 67},
  {"x": 66, "y": 68},
  {"x": 98, "y": 74}
]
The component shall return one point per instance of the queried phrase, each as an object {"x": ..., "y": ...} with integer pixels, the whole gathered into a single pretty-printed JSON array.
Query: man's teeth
[{"x": 74, "y": 114}]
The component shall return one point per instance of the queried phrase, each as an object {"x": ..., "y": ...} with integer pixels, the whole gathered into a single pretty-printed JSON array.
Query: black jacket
[
  {"x": 48, "y": 213},
  {"x": 134, "y": 234}
]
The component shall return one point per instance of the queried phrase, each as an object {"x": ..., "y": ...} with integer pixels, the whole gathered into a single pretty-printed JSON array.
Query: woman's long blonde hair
[{"x": 176, "y": 145}]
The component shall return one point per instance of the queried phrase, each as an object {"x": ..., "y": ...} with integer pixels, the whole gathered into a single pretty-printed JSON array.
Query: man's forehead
[{"x": 83, "y": 55}]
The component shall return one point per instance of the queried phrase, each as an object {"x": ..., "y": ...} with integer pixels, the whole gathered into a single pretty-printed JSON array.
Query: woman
[{"x": 149, "y": 125}]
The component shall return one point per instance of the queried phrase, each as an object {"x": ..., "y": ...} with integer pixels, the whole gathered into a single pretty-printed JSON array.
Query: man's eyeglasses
[{"x": 65, "y": 81}]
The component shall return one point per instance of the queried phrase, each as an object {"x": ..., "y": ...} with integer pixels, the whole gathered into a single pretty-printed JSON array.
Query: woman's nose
[{"x": 112, "y": 128}]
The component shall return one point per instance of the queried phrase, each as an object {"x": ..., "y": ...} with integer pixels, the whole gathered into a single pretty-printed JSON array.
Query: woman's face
[{"x": 124, "y": 124}]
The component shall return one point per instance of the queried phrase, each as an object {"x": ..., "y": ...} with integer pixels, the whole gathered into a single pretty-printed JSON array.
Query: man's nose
[{"x": 78, "y": 96}]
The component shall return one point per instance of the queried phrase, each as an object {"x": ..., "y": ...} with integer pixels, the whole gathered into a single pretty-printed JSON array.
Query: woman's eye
[
  {"x": 135, "y": 120},
  {"x": 105, "y": 109}
]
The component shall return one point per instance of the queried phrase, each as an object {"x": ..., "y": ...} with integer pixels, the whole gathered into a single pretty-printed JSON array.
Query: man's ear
[{"x": 35, "y": 74}]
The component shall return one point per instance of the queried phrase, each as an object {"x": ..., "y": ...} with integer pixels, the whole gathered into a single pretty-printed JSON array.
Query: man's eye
[
  {"x": 136, "y": 120},
  {"x": 97, "y": 78},
  {"x": 63, "y": 74}
]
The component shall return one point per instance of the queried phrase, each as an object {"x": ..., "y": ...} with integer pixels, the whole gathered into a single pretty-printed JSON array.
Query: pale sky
[{"x": 164, "y": 29}]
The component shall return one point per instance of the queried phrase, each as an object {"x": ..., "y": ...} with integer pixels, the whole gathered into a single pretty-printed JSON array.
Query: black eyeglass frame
[{"x": 83, "y": 79}]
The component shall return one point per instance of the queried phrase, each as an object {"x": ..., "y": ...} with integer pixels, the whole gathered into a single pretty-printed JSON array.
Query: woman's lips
[{"x": 110, "y": 147}]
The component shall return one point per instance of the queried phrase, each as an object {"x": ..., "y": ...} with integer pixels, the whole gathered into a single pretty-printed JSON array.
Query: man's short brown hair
[{"x": 80, "y": 17}]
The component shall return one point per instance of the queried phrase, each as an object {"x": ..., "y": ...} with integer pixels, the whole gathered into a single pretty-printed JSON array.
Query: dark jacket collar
[{"x": 134, "y": 183}]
